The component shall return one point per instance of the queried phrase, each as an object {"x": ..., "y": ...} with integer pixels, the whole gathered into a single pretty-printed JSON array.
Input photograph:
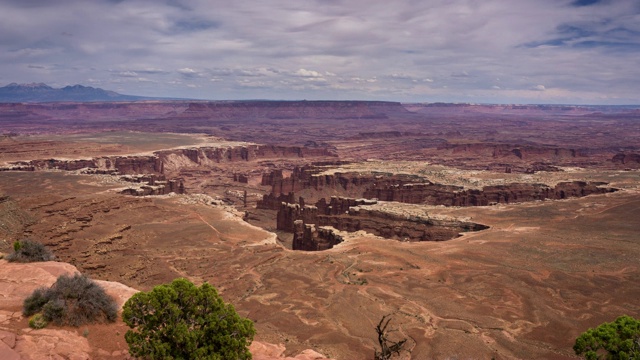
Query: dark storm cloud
[
  {"x": 610, "y": 34},
  {"x": 585, "y": 2}
]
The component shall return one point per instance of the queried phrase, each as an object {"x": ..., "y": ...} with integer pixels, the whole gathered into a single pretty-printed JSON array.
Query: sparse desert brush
[
  {"x": 35, "y": 301},
  {"x": 72, "y": 300},
  {"x": 29, "y": 250},
  {"x": 38, "y": 321}
]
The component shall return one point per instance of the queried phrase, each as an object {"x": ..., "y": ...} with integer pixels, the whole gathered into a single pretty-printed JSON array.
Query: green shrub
[
  {"x": 618, "y": 340},
  {"x": 38, "y": 321},
  {"x": 182, "y": 321},
  {"x": 72, "y": 300},
  {"x": 29, "y": 250}
]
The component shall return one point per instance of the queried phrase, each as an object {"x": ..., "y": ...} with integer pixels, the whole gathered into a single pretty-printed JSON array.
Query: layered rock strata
[
  {"x": 160, "y": 161},
  {"x": 435, "y": 194},
  {"x": 413, "y": 189},
  {"x": 308, "y": 223},
  {"x": 308, "y": 237},
  {"x": 629, "y": 159}
]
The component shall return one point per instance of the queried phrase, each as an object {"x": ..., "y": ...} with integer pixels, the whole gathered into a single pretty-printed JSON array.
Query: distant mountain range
[{"x": 39, "y": 92}]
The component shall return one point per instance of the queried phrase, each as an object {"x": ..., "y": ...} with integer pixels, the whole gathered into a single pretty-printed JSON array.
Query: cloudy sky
[{"x": 481, "y": 51}]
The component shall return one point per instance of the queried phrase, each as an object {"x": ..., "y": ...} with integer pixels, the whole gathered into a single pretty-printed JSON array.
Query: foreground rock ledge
[{"x": 18, "y": 342}]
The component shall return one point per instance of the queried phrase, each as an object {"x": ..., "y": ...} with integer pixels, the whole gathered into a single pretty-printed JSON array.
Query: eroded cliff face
[
  {"x": 214, "y": 155},
  {"x": 165, "y": 161},
  {"x": 310, "y": 223},
  {"x": 522, "y": 152},
  {"x": 152, "y": 185},
  {"x": 310, "y": 177},
  {"x": 116, "y": 164},
  {"x": 160, "y": 173},
  {"x": 631, "y": 160},
  {"x": 412, "y": 189},
  {"x": 308, "y": 237},
  {"x": 435, "y": 194}
]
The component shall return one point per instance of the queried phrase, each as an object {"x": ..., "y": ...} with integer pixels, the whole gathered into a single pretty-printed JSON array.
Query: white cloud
[
  {"x": 308, "y": 73},
  {"x": 128, "y": 74}
]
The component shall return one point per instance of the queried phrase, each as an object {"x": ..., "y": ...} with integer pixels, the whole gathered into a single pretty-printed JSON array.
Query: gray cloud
[{"x": 583, "y": 51}]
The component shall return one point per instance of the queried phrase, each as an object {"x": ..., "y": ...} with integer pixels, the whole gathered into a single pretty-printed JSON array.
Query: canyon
[{"x": 487, "y": 231}]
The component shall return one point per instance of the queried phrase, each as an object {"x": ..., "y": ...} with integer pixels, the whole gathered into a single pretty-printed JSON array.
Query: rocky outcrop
[
  {"x": 158, "y": 188},
  {"x": 345, "y": 214},
  {"x": 19, "y": 280},
  {"x": 266, "y": 351},
  {"x": 309, "y": 238},
  {"x": 523, "y": 152},
  {"x": 289, "y": 213},
  {"x": 272, "y": 202},
  {"x": 435, "y": 194},
  {"x": 311, "y": 177},
  {"x": 151, "y": 184},
  {"x": 134, "y": 164},
  {"x": 67, "y": 165},
  {"x": 627, "y": 159},
  {"x": 241, "y": 178},
  {"x": 115, "y": 164},
  {"x": 412, "y": 189},
  {"x": 174, "y": 159},
  {"x": 212, "y": 155}
]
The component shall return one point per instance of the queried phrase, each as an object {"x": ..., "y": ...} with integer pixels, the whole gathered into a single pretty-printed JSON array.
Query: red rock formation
[
  {"x": 270, "y": 178},
  {"x": 68, "y": 165},
  {"x": 155, "y": 164},
  {"x": 351, "y": 215},
  {"x": 289, "y": 213},
  {"x": 628, "y": 159},
  {"x": 201, "y": 155},
  {"x": 158, "y": 188},
  {"x": 523, "y": 152},
  {"x": 307, "y": 177},
  {"x": 414, "y": 189},
  {"x": 121, "y": 164},
  {"x": 309, "y": 238},
  {"x": 19, "y": 280},
  {"x": 136, "y": 164},
  {"x": 241, "y": 178},
  {"x": 272, "y": 202},
  {"x": 435, "y": 194}
]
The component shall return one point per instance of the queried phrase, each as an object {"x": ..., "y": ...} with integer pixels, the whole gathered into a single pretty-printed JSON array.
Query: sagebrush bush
[
  {"x": 72, "y": 300},
  {"x": 28, "y": 250},
  {"x": 35, "y": 301}
]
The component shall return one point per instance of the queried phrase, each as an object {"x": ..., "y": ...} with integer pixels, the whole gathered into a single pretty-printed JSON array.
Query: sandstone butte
[{"x": 19, "y": 342}]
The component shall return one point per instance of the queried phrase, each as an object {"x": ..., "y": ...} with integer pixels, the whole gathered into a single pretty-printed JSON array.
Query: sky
[{"x": 475, "y": 51}]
